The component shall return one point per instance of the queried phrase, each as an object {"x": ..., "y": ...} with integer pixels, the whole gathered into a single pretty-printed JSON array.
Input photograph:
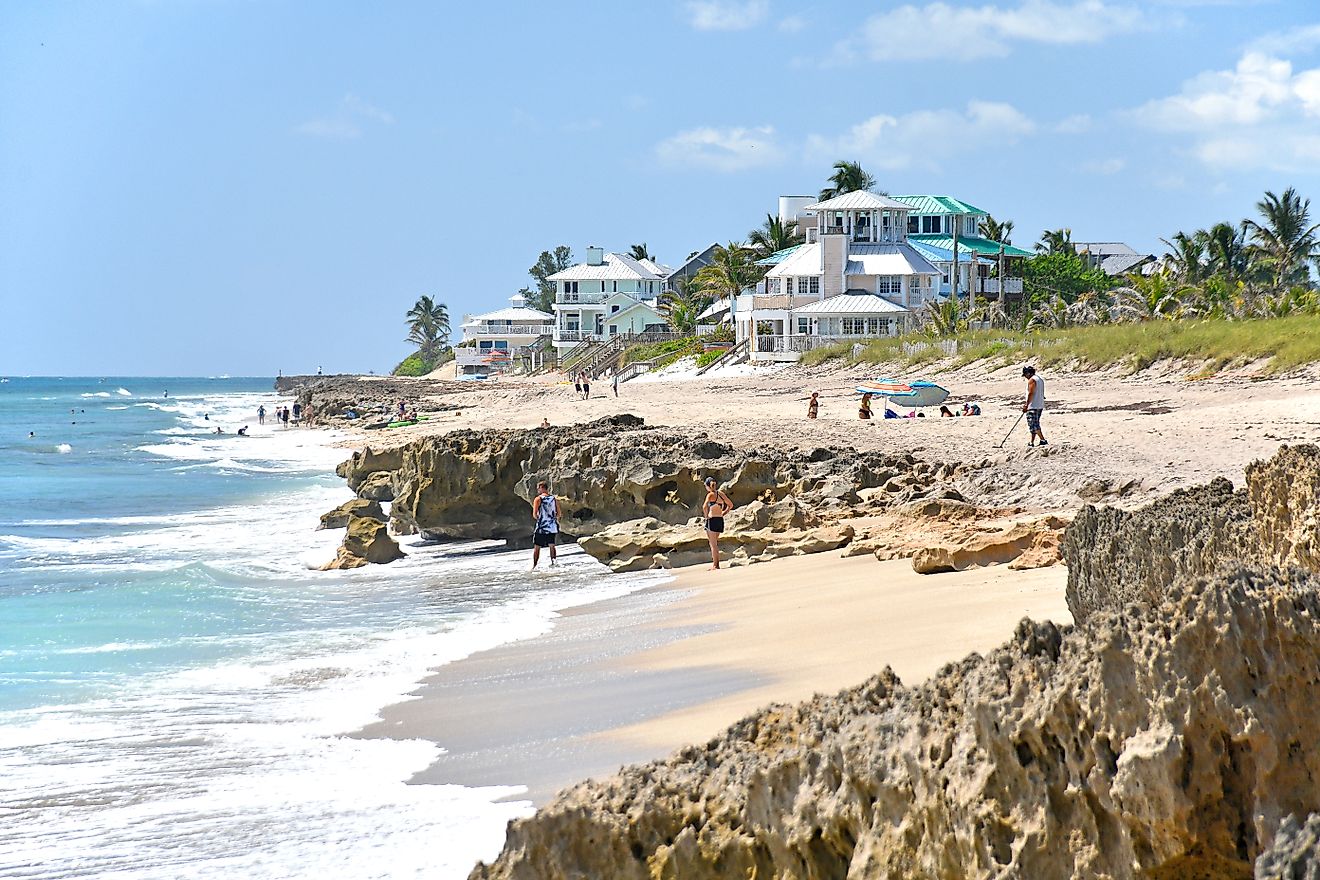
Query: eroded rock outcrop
[
  {"x": 1117, "y": 557},
  {"x": 367, "y": 540},
  {"x": 338, "y": 518},
  {"x": 1295, "y": 854},
  {"x": 477, "y": 484},
  {"x": 757, "y": 532},
  {"x": 1023, "y": 545},
  {"x": 1170, "y": 740}
]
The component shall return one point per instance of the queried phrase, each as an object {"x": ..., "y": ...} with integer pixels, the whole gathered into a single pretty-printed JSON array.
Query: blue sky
[{"x": 245, "y": 187}]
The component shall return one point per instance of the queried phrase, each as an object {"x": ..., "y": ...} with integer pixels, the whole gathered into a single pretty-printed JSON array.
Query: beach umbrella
[{"x": 914, "y": 394}]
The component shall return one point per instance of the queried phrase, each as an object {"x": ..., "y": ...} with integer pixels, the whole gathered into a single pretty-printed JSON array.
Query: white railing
[
  {"x": 570, "y": 299},
  {"x": 577, "y": 336},
  {"x": 798, "y": 343},
  {"x": 1011, "y": 285},
  {"x": 506, "y": 330}
]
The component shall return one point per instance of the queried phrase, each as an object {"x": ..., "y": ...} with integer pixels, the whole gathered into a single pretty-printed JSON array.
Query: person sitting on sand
[
  {"x": 864, "y": 409},
  {"x": 545, "y": 519},
  {"x": 813, "y": 405},
  {"x": 242, "y": 432},
  {"x": 713, "y": 510},
  {"x": 945, "y": 411},
  {"x": 971, "y": 409},
  {"x": 545, "y": 423}
]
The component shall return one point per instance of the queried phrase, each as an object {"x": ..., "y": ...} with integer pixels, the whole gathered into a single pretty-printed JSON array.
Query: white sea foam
[
  {"x": 123, "y": 392},
  {"x": 96, "y": 394},
  {"x": 64, "y": 449},
  {"x": 115, "y": 408}
]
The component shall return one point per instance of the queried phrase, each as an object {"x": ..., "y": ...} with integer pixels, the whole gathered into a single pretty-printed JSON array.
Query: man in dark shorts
[
  {"x": 1034, "y": 405},
  {"x": 545, "y": 519}
]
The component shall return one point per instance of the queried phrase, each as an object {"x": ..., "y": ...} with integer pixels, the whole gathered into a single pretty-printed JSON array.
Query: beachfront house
[
  {"x": 501, "y": 340},
  {"x": 985, "y": 267},
  {"x": 855, "y": 277},
  {"x": 1114, "y": 258},
  {"x": 605, "y": 296}
]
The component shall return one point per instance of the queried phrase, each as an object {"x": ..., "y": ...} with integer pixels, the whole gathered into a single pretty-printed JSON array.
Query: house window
[
  {"x": 802, "y": 286},
  {"x": 570, "y": 287},
  {"x": 772, "y": 285},
  {"x": 854, "y": 326},
  {"x": 614, "y": 329},
  {"x": 932, "y": 225},
  {"x": 887, "y": 284},
  {"x": 813, "y": 285},
  {"x": 484, "y": 345},
  {"x": 803, "y": 326},
  {"x": 501, "y": 343},
  {"x": 914, "y": 224},
  {"x": 613, "y": 309},
  {"x": 873, "y": 326}
]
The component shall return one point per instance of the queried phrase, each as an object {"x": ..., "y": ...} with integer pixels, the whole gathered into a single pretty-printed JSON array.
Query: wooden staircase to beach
[{"x": 736, "y": 355}]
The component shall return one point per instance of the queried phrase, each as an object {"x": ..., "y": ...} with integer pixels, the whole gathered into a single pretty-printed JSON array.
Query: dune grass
[{"x": 1283, "y": 343}]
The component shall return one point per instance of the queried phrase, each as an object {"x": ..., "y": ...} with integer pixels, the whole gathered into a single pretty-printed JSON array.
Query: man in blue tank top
[{"x": 545, "y": 516}]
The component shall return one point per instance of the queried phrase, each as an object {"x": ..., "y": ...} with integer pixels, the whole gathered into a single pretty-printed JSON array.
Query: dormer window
[{"x": 932, "y": 225}]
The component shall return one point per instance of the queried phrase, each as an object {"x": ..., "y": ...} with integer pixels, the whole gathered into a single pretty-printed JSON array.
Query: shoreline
[{"x": 633, "y": 678}]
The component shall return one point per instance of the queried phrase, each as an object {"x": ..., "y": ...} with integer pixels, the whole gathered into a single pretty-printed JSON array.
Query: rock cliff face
[
  {"x": 1116, "y": 557},
  {"x": 470, "y": 484},
  {"x": 367, "y": 540},
  {"x": 1168, "y": 743}
]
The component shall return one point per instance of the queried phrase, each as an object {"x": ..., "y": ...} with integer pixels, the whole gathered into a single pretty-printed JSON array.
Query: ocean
[{"x": 176, "y": 678}]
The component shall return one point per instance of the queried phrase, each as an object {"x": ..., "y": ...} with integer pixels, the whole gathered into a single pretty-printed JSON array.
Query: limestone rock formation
[
  {"x": 1295, "y": 854},
  {"x": 338, "y": 518},
  {"x": 1023, "y": 545},
  {"x": 477, "y": 484},
  {"x": 1285, "y": 505},
  {"x": 1116, "y": 557},
  {"x": 366, "y": 541},
  {"x": 756, "y": 532},
  {"x": 1168, "y": 741}
]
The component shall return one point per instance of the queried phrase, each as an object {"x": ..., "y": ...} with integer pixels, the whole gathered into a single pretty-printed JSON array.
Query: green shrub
[
  {"x": 413, "y": 365},
  {"x": 710, "y": 357},
  {"x": 653, "y": 350}
]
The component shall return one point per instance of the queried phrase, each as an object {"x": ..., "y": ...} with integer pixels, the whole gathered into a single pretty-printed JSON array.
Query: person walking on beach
[
  {"x": 261, "y": 414},
  {"x": 713, "y": 509},
  {"x": 1034, "y": 405},
  {"x": 615, "y": 383},
  {"x": 813, "y": 405},
  {"x": 545, "y": 517},
  {"x": 586, "y": 386},
  {"x": 297, "y": 412},
  {"x": 577, "y": 384}
]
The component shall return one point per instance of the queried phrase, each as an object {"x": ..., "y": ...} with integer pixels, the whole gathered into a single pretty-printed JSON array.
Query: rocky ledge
[
  {"x": 1168, "y": 735},
  {"x": 614, "y": 471}
]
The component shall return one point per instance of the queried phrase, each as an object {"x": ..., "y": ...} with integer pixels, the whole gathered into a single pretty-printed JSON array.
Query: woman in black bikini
[{"x": 716, "y": 505}]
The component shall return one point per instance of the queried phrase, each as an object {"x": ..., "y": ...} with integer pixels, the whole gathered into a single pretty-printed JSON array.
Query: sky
[{"x": 206, "y": 187}]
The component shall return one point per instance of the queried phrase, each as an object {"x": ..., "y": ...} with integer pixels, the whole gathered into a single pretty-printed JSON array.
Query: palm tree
[
  {"x": 1226, "y": 250},
  {"x": 1056, "y": 241},
  {"x": 847, "y": 177},
  {"x": 732, "y": 270},
  {"x": 639, "y": 252},
  {"x": 1149, "y": 297},
  {"x": 428, "y": 327},
  {"x": 681, "y": 306},
  {"x": 1184, "y": 258},
  {"x": 773, "y": 235},
  {"x": 995, "y": 230},
  {"x": 1285, "y": 241}
]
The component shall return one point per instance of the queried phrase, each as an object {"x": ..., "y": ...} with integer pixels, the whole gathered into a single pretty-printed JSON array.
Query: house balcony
[
  {"x": 506, "y": 329},
  {"x": 783, "y": 300},
  {"x": 562, "y": 335},
  {"x": 1011, "y": 285},
  {"x": 584, "y": 299}
]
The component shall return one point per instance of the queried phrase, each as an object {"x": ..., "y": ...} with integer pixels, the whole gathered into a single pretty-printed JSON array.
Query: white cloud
[
  {"x": 935, "y": 29},
  {"x": 1078, "y": 123},
  {"x": 1301, "y": 39},
  {"x": 1105, "y": 166},
  {"x": 1260, "y": 114},
  {"x": 721, "y": 149},
  {"x": 792, "y": 24},
  {"x": 345, "y": 123},
  {"x": 923, "y": 138},
  {"x": 726, "y": 15}
]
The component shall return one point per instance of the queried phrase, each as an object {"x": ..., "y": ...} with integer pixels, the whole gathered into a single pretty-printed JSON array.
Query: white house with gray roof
[
  {"x": 494, "y": 341},
  {"x": 606, "y": 295}
]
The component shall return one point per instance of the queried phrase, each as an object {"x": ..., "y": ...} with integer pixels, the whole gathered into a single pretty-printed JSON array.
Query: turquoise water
[{"x": 176, "y": 676}]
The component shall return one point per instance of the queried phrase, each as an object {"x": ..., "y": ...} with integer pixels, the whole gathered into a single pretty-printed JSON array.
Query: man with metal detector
[{"x": 1034, "y": 405}]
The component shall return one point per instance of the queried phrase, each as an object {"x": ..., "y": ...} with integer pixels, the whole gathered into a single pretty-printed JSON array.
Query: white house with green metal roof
[
  {"x": 604, "y": 296},
  {"x": 856, "y": 277},
  {"x": 935, "y": 223}
]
